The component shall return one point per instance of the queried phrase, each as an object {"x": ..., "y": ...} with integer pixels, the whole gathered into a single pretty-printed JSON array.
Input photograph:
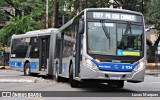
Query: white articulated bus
[
  {"x": 99, "y": 44},
  {"x": 107, "y": 45},
  {"x": 33, "y": 52}
]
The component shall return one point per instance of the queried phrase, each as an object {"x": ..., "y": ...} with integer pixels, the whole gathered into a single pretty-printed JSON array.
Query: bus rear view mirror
[{"x": 81, "y": 27}]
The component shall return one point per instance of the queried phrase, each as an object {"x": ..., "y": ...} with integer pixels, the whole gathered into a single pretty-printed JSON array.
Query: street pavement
[
  {"x": 12, "y": 76},
  {"x": 45, "y": 83}
]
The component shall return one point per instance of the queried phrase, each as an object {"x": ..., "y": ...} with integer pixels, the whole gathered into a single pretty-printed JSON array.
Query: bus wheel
[
  {"x": 27, "y": 71},
  {"x": 120, "y": 84},
  {"x": 73, "y": 82},
  {"x": 57, "y": 78}
]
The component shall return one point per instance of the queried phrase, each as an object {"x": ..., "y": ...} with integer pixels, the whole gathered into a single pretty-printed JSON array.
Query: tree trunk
[{"x": 56, "y": 8}]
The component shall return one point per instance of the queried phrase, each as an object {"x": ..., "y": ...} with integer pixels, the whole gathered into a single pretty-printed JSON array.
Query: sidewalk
[
  {"x": 6, "y": 67},
  {"x": 151, "y": 69},
  {"x": 152, "y": 65},
  {"x": 13, "y": 76},
  {"x": 152, "y": 72}
]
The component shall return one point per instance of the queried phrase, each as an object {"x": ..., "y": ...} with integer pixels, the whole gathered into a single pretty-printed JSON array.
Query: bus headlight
[
  {"x": 140, "y": 66},
  {"x": 90, "y": 64}
]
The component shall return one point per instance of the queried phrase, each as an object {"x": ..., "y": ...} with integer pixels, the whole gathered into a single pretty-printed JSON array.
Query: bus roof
[
  {"x": 114, "y": 10},
  {"x": 36, "y": 33},
  {"x": 41, "y": 31},
  {"x": 96, "y": 9},
  {"x": 70, "y": 22}
]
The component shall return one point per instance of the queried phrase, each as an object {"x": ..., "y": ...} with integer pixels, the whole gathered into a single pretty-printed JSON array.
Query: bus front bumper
[{"x": 87, "y": 73}]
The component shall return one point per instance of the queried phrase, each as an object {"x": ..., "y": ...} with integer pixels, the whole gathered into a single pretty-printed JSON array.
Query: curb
[
  {"x": 5, "y": 67},
  {"x": 152, "y": 72},
  {"x": 16, "y": 81},
  {"x": 2, "y": 68}
]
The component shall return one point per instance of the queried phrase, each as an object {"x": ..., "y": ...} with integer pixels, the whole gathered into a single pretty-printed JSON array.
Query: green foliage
[
  {"x": 134, "y": 5},
  {"x": 153, "y": 17},
  {"x": 153, "y": 14},
  {"x": 26, "y": 7},
  {"x": 2, "y": 17},
  {"x": 98, "y": 3},
  {"x": 71, "y": 7},
  {"x": 27, "y": 14},
  {"x": 18, "y": 25}
]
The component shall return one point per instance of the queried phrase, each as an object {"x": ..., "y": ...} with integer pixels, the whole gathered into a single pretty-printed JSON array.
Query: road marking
[
  {"x": 155, "y": 82},
  {"x": 16, "y": 81}
]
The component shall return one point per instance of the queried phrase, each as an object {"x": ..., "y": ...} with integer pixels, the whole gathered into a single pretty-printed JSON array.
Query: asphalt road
[
  {"x": 44, "y": 83},
  {"x": 151, "y": 83}
]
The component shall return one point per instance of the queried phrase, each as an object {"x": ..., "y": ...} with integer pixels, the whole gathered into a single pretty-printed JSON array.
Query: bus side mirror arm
[{"x": 81, "y": 26}]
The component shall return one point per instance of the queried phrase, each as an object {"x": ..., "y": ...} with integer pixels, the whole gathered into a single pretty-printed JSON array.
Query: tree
[
  {"x": 72, "y": 7},
  {"x": 25, "y": 14},
  {"x": 134, "y": 5},
  {"x": 153, "y": 17},
  {"x": 97, "y": 3},
  {"x": 25, "y": 7},
  {"x": 18, "y": 25}
]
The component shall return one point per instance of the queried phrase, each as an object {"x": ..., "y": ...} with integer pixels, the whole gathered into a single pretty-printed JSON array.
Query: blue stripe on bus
[
  {"x": 117, "y": 67},
  {"x": 16, "y": 64},
  {"x": 33, "y": 65},
  {"x": 63, "y": 67}
]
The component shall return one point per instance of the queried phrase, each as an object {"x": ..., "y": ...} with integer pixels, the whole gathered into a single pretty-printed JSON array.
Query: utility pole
[
  {"x": 101, "y": 3},
  {"x": 142, "y": 7},
  {"x": 86, "y": 4},
  {"x": 46, "y": 13},
  {"x": 80, "y": 5}
]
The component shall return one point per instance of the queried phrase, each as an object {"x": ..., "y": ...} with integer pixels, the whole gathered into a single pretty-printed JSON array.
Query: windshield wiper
[
  {"x": 128, "y": 27},
  {"x": 106, "y": 31}
]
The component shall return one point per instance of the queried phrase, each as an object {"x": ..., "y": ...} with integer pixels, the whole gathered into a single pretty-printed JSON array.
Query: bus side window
[
  {"x": 13, "y": 48},
  {"x": 58, "y": 43},
  {"x": 34, "y": 52}
]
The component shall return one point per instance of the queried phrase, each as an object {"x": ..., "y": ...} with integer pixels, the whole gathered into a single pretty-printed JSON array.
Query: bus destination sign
[{"x": 114, "y": 16}]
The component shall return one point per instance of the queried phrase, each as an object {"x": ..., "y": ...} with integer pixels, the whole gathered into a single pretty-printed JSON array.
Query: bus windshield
[{"x": 118, "y": 39}]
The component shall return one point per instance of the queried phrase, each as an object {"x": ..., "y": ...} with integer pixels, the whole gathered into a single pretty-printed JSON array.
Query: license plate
[{"x": 115, "y": 77}]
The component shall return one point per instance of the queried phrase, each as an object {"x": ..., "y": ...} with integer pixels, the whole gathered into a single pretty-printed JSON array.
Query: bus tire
[
  {"x": 73, "y": 82},
  {"x": 27, "y": 70},
  {"x": 120, "y": 84},
  {"x": 57, "y": 78}
]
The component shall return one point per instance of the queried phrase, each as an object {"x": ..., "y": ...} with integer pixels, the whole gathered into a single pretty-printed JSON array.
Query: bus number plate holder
[{"x": 115, "y": 77}]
